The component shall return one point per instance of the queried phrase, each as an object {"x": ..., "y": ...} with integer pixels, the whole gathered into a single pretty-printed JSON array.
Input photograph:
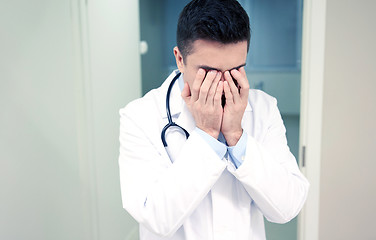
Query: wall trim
[{"x": 313, "y": 56}]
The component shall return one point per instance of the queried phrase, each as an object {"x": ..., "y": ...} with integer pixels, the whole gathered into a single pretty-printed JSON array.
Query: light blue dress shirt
[{"x": 235, "y": 153}]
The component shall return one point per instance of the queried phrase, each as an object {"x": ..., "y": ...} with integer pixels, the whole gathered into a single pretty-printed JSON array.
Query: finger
[
  {"x": 218, "y": 95},
  {"x": 242, "y": 71},
  {"x": 186, "y": 93},
  {"x": 234, "y": 90},
  {"x": 204, "y": 89},
  {"x": 228, "y": 94},
  {"x": 241, "y": 77},
  {"x": 196, "y": 85},
  {"x": 213, "y": 89}
]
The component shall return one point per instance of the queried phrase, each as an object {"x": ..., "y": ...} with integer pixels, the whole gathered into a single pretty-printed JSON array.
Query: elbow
[
  {"x": 148, "y": 219},
  {"x": 160, "y": 229},
  {"x": 165, "y": 232},
  {"x": 291, "y": 207},
  {"x": 281, "y": 218}
]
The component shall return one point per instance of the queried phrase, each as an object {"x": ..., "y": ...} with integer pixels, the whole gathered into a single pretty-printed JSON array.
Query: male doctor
[{"x": 235, "y": 167}]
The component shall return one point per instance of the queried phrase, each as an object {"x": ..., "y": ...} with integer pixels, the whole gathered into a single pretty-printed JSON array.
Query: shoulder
[
  {"x": 139, "y": 108},
  {"x": 151, "y": 104},
  {"x": 261, "y": 101},
  {"x": 264, "y": 116}
]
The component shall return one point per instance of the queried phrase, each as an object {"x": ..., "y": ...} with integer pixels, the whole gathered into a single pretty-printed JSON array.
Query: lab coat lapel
[
  {"x": 186, "y": 120},
  {"x": 247, "y": 119}
]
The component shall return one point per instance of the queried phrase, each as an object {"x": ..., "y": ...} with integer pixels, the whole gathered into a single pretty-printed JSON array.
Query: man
[{"x": 235, "y": 167}]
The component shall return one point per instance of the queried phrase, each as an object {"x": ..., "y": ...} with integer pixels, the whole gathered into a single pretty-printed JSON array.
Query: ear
[{"x": 179, "y": 59}]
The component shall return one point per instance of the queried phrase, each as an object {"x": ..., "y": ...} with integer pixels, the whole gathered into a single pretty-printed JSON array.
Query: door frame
[{"x": 312, "y": 81}]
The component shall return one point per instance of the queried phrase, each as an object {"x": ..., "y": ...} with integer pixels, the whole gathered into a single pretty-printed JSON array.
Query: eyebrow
[{"x": 208, "y": 68}]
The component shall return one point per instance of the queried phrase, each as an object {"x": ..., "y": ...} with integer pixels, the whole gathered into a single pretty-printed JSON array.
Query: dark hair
[{"x": 223, "y": 21}]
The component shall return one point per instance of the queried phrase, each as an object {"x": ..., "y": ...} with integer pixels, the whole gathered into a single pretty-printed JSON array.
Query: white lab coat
[{"x": 194, "y": 194}]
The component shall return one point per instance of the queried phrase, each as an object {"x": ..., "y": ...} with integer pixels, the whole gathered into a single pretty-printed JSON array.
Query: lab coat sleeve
[
  {"x": 270, "y": 173},
  {"x": 159, "y": 194}
]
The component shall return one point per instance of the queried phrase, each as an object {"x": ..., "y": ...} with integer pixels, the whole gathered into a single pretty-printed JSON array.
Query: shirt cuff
[
  {"x": 237, "y": 152},
  {"x": 216, "y": 145}
]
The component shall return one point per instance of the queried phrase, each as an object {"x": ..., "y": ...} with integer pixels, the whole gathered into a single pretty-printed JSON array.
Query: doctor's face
[{"x": 210, "y": 55}]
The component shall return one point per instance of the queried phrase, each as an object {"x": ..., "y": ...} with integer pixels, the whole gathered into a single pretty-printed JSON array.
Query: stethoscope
[{"x": 170, "y": 122}]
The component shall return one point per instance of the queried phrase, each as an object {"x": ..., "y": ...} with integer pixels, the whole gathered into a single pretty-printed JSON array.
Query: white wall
[
  {"x": 347, "y": 189},
  {"x": 337, "y": 121},
  {"x": 66, "y": 67},
  {"x": 116, "y": 80}
]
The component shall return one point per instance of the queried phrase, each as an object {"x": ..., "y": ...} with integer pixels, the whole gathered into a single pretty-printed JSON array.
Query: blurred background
[{"x": 68, "y": 66}]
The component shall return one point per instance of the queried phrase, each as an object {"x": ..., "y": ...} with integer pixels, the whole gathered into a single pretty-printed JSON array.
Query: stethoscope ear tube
[{"x": 170, "y": 122}]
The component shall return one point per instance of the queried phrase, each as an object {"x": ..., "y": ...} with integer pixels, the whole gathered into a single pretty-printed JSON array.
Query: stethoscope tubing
[{"x": 170, "y": 122}]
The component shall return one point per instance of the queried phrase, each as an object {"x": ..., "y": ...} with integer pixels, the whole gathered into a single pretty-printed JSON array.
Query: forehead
[{"x": 218, "y": 56}]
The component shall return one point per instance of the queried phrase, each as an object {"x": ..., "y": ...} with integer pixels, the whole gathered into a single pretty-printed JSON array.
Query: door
[
  {"x": 66, "y": 68},
  {"x": 275, "y": 67}
]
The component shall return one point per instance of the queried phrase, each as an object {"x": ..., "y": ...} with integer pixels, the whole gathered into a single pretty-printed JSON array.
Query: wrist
[
  {"x": 212, "y": 133},
  {"x": 233, "y": 137}
]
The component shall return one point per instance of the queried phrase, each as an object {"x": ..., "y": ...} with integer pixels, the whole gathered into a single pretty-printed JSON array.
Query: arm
[
  {"x": 158, "y": 194},
  {"x": 270, "y": 173}
]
